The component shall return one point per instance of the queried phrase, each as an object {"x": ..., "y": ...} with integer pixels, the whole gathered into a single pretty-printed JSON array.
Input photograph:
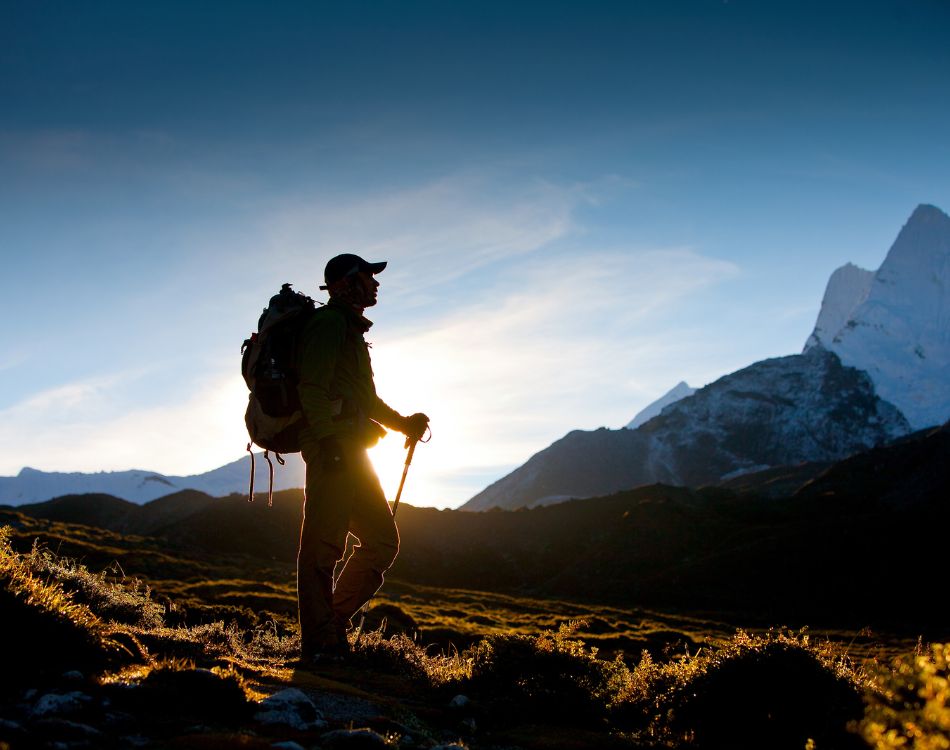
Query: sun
[{"x": 389, "y": 460}]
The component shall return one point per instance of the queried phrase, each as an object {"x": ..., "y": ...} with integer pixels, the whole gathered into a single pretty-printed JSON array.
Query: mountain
[
  {"x": 138, "y": 486},
  {"x": 115, "y": 514},
  {"x": 894, "y": 323},
  {"x": 846, "y": 544},
  {"x": 680, "y": 390},
  {"x": 868, "y": 524},
  {"x": 94, "y": 509},
  {"x": 805, "y": 407}
]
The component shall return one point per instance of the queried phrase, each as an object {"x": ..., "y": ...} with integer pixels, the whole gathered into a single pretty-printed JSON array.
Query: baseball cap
[{"x": 346, "y": 265}]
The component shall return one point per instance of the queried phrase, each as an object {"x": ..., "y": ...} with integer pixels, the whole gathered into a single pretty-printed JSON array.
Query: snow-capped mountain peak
[
  {"x": 847, "y": 288},
  {"x": 677, "y": 392},
  {"x": 894, "y": 323}
]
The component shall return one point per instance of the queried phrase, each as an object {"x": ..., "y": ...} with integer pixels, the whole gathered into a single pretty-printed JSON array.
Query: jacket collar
[{"x": 361, "y": 323}]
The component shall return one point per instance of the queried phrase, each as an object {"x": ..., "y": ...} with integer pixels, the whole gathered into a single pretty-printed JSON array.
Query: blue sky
[{"x": 581, "y": 203}]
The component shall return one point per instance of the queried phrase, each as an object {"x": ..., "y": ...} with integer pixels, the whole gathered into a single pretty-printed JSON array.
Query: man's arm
[{"x": 413, "y": 427}]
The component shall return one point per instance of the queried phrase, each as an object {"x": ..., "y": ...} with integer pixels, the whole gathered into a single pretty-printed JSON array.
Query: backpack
[{"x": 268, "y": 364}]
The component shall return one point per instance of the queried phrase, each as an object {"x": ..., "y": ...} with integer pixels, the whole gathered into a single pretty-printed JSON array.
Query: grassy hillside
[
  {"x": 823, "y": 554},
  {"x": 524, "y": 686}
]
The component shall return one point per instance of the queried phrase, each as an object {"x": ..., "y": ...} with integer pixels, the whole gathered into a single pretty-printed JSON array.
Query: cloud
[
  {"x": 501, "y": 316},
  {"x": 88, "y": 426},
  {"x": 553, "y": 351},
  {"x": 431, "y": 234}
]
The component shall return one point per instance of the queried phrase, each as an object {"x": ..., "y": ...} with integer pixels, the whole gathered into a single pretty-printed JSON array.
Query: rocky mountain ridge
[
  {"x": 806, "y": 407},
  {"x": 892, "y": 326}
]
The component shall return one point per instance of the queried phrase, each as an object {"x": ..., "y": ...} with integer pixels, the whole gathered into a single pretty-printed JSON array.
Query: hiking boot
[{"x": 333, "y": 650}]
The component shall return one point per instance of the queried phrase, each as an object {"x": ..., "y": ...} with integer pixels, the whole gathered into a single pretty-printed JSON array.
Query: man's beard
[{"x": 356, "y": 296}]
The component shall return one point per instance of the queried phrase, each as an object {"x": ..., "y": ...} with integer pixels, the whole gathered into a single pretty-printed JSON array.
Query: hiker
[{"x": 343, "y": 414}]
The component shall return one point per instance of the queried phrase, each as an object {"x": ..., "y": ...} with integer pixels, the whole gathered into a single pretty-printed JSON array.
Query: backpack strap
[
  {"x": 270, "y": 487},
  {"x": 250, "y": 489}
]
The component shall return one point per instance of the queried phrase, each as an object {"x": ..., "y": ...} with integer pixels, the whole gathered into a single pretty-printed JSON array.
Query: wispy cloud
[
  {"x": 556, "y": 350},
  {"x": 523, "y": 327},
  {"x": 432, "y": 234},
  {"x": 88, "y": 426}
]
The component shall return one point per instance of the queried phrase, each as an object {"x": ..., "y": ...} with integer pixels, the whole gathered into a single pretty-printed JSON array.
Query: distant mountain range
[
  {"x": 138, "y": 486},
  {"x": 881, "y": 339},
  {"x": 876, "y": 366},
  {"x": 844, "y": 542},
  {"x": 805, "y": 407}
]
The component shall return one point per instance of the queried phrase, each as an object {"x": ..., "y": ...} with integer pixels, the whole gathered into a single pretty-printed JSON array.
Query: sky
[{"x": 581, "y": 204}]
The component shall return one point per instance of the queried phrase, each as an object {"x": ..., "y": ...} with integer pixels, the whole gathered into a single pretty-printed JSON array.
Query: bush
[
  {"x": 175, "y": 689},
  {"x": 912, "y": 709},
  {"x": 776, "y": 691},
  {"x": 550, "y": 676},
  {"x": 42, "y": 629}
]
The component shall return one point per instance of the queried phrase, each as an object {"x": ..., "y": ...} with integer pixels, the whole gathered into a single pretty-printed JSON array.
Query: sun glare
[{"x": 389, "y": 460}]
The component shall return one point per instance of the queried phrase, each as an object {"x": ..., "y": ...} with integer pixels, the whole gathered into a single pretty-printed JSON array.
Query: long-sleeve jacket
[{"x": 335, "y": 384}]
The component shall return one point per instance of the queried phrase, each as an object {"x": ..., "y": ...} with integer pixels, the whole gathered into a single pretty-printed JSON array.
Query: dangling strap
[
  {"x": 270, "y": 487},
  {"x": 279, "y": 459},
  {"x": 250, "y": 490}
]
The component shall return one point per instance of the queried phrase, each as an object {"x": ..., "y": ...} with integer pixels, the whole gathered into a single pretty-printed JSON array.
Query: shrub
[
  {"x": 776, "y": 691},
  {"x": 551, "y": 676},
  {"x": 912, "y": 710},
  {"x": 175, "y": 689},
  {"x": 42, "y": 629}
]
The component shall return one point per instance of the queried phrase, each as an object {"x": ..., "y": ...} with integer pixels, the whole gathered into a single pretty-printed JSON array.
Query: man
[{"x": 343, "y": 494}]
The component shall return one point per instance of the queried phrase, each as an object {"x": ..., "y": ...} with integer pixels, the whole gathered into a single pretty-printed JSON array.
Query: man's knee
[
  {"x": 319, "y": 555},
  {"x": 382, "y": 554}
]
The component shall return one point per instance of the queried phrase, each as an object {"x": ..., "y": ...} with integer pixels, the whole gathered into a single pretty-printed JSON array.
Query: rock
[
  {"x": 469, "y": 724},
  {"x": 115, "y": 719},
  {"x": 353, "y": 739},
  {"x": 459, "y": 701},
  {"x": 288, "y": 745},
  {"x": 450, "y": 746},
  {"x": 64, "y": 730},
  {"x": 60, "y": 704},
  {"x": 292, "y": 708},
  {"x": 74, "y": 675},
  {"x": 11, "y": 730}
]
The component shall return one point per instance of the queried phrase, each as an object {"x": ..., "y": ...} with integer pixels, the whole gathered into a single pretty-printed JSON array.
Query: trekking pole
[
  {"x": 405, "y": 470},
  {"x": 411, "y": 445}
]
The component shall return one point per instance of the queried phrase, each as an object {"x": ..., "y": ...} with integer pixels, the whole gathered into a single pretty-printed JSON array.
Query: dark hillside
[
  {"x": 170, "y": 509},
  {"x": 911, "y": 472},
  {"x": 843, "y": 549},
  {"x": 94, "y": 509},
  {"x": 233, "y": 525}
]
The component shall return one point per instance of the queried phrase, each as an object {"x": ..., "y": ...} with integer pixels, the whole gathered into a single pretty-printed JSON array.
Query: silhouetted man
[{"x": 343, "y": 493}]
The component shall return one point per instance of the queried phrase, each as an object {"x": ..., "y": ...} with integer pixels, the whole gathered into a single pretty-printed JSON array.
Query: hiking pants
[{"x": 340, "y": 499}]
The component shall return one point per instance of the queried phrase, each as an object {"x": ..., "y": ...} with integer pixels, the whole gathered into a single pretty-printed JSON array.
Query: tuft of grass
[
  {"x": 128, "y": 601},
  {"x": 402, "y": 656},
  {"x": 777, "y": 691},
  {"x": 911, "y": 708},
  {"x": 42, "y": 629},
  {"x": 552, "y": 676},
  {"x": 175, "y": 689}
]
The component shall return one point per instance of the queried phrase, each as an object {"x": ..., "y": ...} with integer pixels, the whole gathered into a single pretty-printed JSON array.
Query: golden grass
[{"x": 656, "y": 677}]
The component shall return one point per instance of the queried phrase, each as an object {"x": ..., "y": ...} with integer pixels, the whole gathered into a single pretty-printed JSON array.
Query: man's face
[{"x": 367, "y": 286}]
